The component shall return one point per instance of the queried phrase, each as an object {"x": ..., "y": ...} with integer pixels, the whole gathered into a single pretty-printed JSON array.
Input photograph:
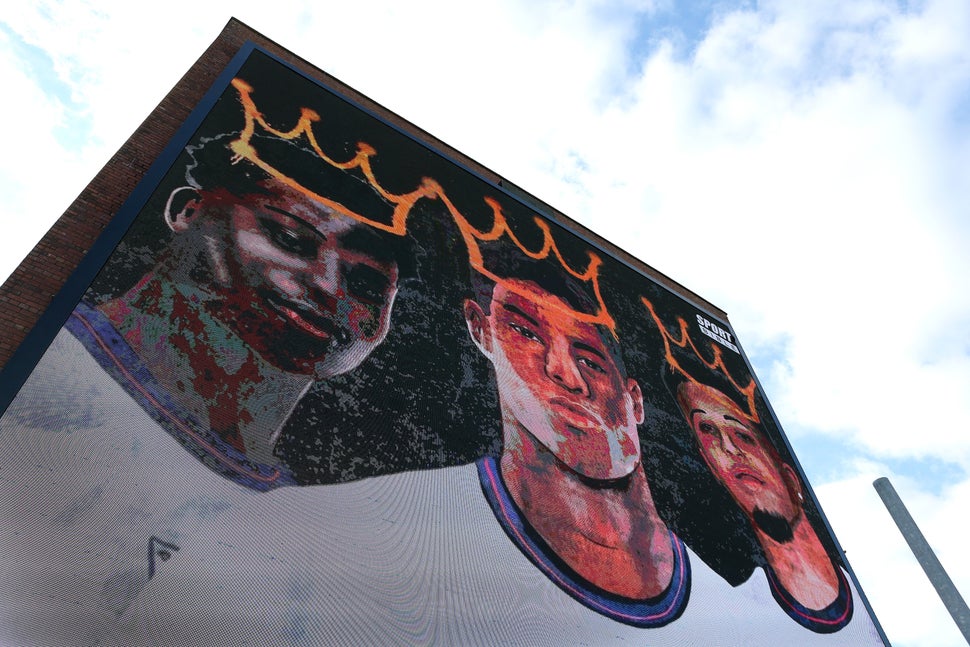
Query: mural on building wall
[{"x": 332, "y": 387}]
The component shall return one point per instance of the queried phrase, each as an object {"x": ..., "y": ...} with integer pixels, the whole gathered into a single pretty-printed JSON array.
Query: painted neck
[
  {"x": 802, "y": 565},
  {"x": 205, "y": 367},
  {"x": 608, "y": 533}
]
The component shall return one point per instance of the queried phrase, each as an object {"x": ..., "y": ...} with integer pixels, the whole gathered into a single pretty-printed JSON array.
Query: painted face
[
  {"x": 558, "y": 381},
  {"x": 310, "y": 291},
  {"x": 737, "y": 454}
]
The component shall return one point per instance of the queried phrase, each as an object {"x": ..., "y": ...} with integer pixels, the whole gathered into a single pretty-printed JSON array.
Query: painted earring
[{"x": 169, "y": 218}]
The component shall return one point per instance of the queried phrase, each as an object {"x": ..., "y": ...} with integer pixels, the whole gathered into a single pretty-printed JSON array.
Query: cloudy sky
[{"x": 804, "y": 165}]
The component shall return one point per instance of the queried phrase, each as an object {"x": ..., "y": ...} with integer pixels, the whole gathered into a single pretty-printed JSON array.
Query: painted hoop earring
[{"x": 169, "y": 220}]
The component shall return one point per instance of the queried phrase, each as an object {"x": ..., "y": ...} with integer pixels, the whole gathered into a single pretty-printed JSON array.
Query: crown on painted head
[
  {"x": 399, "y": 205},
  {"x": 683, "y": 356},
  {"x": 340, "y": 185},
  {"x": 501, "y": 257}
]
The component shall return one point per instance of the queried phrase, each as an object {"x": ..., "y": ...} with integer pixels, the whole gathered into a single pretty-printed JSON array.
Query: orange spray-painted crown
[
  {"x": 402, "y": 204},
  {"x": 683, "y": 356}
]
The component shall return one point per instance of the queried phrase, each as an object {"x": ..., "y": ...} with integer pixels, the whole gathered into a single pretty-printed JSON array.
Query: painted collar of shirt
[
  {"x": 115, "y": 356},
  {"x": 823, "y": 621},
  {"x": 652, "y": 612}
]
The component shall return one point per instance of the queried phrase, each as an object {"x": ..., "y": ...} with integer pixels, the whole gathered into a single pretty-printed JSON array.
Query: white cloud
[
  {"x": 34, "y": 160},
  {"x": 791, "y": 172},
  {"x": 900, "y": 593}
]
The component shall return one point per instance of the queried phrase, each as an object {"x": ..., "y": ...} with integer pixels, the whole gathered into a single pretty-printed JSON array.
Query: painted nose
[
  {"x": 562, "y": 369},
  {"x": 323, "y": 282},
  {"x": 727, "y": 444}
]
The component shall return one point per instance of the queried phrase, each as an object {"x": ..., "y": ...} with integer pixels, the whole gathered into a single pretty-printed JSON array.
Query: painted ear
[
  {"x": 181, "y": 207},
  {"x": 793, "y": 483},
  {"x": 478, "y": 327},
  {"x": 636, "y": 395}
]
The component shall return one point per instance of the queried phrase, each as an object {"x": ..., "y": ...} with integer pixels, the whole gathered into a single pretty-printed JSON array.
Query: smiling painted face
[
  {"x": 558, "y": 382},
  {"x": 310, "y": 291},
  {"x": 738, "y": 455}
]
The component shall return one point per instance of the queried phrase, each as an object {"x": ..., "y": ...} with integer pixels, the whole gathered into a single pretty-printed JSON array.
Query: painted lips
[
  {"x": 573, "y": 411},
  {"x": 306, "y": 320},
  {"x": 747, "y": 477}
]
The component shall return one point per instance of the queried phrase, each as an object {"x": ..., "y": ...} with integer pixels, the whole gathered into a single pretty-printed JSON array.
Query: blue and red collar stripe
[
  {"x": 824, "y": 621},
  {"x": 653, "y": 612},
  {"x": 115, "y": 356}
]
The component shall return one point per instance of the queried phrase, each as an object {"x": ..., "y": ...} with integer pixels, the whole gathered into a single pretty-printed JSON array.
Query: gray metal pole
[{"x": 934, "y": 570}]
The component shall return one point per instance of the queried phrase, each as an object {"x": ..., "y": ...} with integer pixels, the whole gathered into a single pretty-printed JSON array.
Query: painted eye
[
  {"x": 366, "y": 283},
  {"x": 293, "y": 240},
  {"x": 525, "y": 332},
  {"x": 588, "y": 363},
  {"x": 746, "y": 438},
  {"x": 707, "y": 428}
]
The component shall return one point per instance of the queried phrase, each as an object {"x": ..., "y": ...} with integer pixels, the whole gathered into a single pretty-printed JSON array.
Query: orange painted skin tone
[
  {"x": 743, "y": 461},
  {"x": 569, "y": 417}
]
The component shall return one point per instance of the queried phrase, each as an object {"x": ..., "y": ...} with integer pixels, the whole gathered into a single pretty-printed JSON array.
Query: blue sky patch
[
  {"x": 932, "y": 474},
  {"x": 40, "y": 67},
  {"x": 684, "y": 25},
  {"x": 827, "y": 458}
]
